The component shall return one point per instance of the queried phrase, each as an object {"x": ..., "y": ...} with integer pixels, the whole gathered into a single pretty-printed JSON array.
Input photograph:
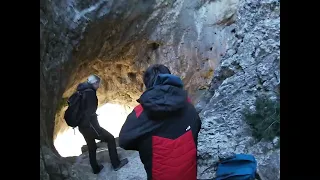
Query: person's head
[
  {"x": 152, "y": 72},
  {"x": 94, "y": 80}
]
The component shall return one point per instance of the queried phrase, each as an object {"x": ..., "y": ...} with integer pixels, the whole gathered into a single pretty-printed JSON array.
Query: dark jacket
[
  {"x": 89, "y": 106},
  {"x": 164, "y": 129}
]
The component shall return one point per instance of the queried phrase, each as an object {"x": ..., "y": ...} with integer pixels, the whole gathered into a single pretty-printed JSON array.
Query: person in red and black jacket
[{"x": 164, "y": 128}]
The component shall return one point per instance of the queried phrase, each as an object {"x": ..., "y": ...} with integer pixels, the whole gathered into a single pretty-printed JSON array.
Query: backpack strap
[
  {"x": 83, "y": 94},
  {"x": 89, "y": 89},
  {"x": 86, "y": 90}
]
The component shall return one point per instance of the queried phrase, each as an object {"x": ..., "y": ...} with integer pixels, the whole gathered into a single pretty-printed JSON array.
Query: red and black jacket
[{"x": 164, "y": 129}]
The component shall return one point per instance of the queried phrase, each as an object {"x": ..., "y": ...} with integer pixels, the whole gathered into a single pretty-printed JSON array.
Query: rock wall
[
  {"x": 188, "y": 36},
  {"x": 119, "y": 39},
  {"x": 251, "y": 67}
]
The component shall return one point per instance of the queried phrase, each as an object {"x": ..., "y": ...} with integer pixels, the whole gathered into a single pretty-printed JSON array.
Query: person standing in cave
[
  {"x": 90, "y": 128},
  {"x": 164, "y": 127}
]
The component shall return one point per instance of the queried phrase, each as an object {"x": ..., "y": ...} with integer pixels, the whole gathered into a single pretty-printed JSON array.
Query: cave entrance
[
  {"x": 111, "y": 117},
  {"x": 121, "y": 86}
]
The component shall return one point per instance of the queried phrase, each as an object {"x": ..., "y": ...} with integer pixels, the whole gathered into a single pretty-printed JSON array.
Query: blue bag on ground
[{"x": 238, "y": 167}]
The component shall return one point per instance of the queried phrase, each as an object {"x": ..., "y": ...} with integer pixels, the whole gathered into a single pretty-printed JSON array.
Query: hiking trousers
[{"x": 90, "y": 134}]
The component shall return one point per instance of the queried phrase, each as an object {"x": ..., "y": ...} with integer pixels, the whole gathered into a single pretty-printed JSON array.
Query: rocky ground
[{"x": 134, "y": 170}]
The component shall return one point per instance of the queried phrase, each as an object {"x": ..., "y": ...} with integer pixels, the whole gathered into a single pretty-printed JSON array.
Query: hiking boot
[
  {"x": 122, "y": 163},
  {"x": 98, "y": 171}
]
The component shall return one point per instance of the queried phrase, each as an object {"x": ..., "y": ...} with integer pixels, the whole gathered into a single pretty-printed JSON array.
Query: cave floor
[{"x": 134, "y": 170}]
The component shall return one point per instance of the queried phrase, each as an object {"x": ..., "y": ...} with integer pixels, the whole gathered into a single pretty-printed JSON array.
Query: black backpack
[{"x": 74, "y": 112}]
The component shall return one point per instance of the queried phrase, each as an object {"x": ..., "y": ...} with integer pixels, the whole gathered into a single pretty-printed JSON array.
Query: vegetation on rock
[
  {"x": 62, "y": 104},
  {"x": 265, "y": 119}
]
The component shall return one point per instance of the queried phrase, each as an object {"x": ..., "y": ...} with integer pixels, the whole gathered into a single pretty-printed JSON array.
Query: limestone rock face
[
  {"x": 250, "y": 67},
  {"x": 187, "y": 36}
]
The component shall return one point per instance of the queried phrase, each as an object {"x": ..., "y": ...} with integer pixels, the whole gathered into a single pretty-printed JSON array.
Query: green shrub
[
  {"x": 265, "y": 120},
  {"x": 62, "y": 104}
]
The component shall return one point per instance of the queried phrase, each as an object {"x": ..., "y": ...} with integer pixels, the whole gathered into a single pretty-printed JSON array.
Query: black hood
[
  {"x": 84, "y": 86},
  {"x": 166, "y": 96}
]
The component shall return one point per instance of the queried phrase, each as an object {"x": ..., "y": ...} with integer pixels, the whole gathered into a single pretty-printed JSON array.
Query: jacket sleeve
[
  {"x": 90, "y": 107},
  {"x": 129, "y": 136}
]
